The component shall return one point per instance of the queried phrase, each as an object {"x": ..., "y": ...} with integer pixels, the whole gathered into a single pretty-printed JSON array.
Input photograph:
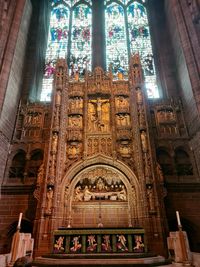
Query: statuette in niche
[
  {"x": 143, "y": 136},
  {"x": 75, "y": 121},
  {"x": 49, "y": 202}
]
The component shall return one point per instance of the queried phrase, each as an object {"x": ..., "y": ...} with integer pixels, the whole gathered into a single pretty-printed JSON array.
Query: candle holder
[{"x": 180, "y": 228}]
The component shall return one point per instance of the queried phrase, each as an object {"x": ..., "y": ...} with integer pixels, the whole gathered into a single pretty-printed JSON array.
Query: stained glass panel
[
  {"x": 56, "y": 47},
  {"x": 70, "y": 2},
  {"x": 125, "y": 2},
  {"x": 140, "y": 41},
  {"x": 81, "y": 39},
  {"x": 116, "y": 43}
]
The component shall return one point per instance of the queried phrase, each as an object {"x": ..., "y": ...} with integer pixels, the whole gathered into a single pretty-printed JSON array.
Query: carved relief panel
[
  {"x": 166, "y": 120},
  {"x": 98, "y": 115},
  {"x": 31, "y": 121},
  {"x": 96, "y": 145}
]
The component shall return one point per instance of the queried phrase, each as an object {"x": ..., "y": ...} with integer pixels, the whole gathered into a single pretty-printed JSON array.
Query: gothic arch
[{"x": 134, "y": 201}]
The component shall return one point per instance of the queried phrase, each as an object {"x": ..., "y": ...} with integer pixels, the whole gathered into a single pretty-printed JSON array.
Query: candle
[
  {"x": 19, "y": 221},
  {"x": 178, "y": 218}
]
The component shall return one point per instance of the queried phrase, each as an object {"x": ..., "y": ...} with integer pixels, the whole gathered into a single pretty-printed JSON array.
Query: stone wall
[
  {"x": 185, "y": 199},
  {"x": 10, "y": 75},
  {"x": 11, "y": 204}
]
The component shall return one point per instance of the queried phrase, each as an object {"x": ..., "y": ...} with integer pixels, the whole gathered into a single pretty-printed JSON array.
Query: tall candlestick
[
  {"x": 178, "y": 218},
  {"x": 19, "y": 221}
]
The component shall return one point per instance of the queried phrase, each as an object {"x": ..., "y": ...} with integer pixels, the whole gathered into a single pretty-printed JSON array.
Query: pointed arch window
[
  {"x": 69, "y": 37},
  {"x": 116, "y": 41},
  {"x": 126, "y": 32},
  {"x": 136, "y": 36}
]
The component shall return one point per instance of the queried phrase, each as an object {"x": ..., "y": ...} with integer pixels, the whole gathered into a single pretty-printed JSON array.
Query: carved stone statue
[
  {"x": 87, "y": 194},
  {"x": 139, "y": 96},
  {"x": 125, "y": 151},
  {"x": 121, "y": 102},
  {"x": 49, "y": 200},
  {"x": 40, "y": 177},
  {"x": 143, "y": 136},
  {"x": 73, "y": 150},
  {"x": 58, "y": 98},
  {"x": 98, "y": 115},
  {"x": 54, "y": 142},
  {"x": 123, "y": 120},
  {"x": 150, "y": 198},
  {"x": 122, "y": 195},
  {"x": 159, "y": 172},
  {"x": 75, "y": 121},
  {"x": 98, "y": 103},
  {"x": 141, "y": 117},
  {"x": 78, "y": 194}
]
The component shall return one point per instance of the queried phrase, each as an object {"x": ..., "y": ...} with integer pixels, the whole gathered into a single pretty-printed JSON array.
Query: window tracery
[
  {"x": 116, "y": 42},
  {"x": 126, "y": 32},
  {"x": 68, "y": 38},
  {"x": 137, "y": 39}
]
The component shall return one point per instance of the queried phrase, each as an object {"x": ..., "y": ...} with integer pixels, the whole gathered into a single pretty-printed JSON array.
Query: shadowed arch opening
[
  {"x": 17, "y": 167},
  {"x": 182, "y": 162},
  {"x": 165, "y": 161}
]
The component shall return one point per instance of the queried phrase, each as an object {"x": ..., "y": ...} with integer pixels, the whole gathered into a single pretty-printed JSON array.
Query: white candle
[
  {"x": 20, "y": 219},
  {"x": 178, "y": 218}
]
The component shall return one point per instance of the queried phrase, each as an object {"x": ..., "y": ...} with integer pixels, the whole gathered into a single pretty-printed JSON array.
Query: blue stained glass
[
  {"x": 70, "y": 3},
  {"x": 81, "y": 39},
  {"x": 56, "y": 47},
  {"x": 116, "y": 43},
  {"x": 124, "y": 2},
  {"x": 140, "y": 41}
]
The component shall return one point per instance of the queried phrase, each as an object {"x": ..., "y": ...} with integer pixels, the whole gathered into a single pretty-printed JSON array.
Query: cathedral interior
[{"x": 100, "y": 118}]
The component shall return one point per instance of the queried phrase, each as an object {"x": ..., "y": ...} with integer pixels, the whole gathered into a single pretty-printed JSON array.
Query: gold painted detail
[{"x": 99, "y": 188}]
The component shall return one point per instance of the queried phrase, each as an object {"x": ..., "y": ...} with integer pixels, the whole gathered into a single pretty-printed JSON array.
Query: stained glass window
[
  {"x": 129, "y": 18},
  {"x": 126, "y": 32},
  {"x": 80, "y": 57},
  {"x": 57, "y": 46},
  {"x": 74, "y": 45},
  {"x": 116, "y": 43},
  {"x": 140, "y": 41}
]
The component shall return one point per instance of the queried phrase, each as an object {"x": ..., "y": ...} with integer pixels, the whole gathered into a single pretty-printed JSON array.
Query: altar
[
  {"x": 99, "y": 247},
  {"x": 99, "y": 240}
]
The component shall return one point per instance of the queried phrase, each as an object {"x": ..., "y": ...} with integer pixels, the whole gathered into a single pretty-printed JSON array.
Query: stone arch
[
  {"x": 182, "y": 162},
  {"x": 165, "y": 160},
  {"x": 134, "y": 203}
]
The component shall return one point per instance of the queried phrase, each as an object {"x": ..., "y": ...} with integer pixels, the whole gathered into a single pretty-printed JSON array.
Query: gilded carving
[
  {"x": 76, "y": 121},
  {"x": 54, "y": 143},
  {"x": 74, "y": 150},
  {"x": 125, "y": 150},
  {"x": 33, "y": 119},
  {"x": 99, "y": 145},
  {"x": 74, "y": 135},
  {"x": 123, "y": 120},
  {"x": 165, "y": 115},
  {"x": 75, "y": 104},
  {"x": 143, "y": 136},
  {"x": 99, "y": 188},
  {"x": 121, "y": 102},
  {"x": 58, "y": 98},
  {"x": 98, "y": 115}
]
